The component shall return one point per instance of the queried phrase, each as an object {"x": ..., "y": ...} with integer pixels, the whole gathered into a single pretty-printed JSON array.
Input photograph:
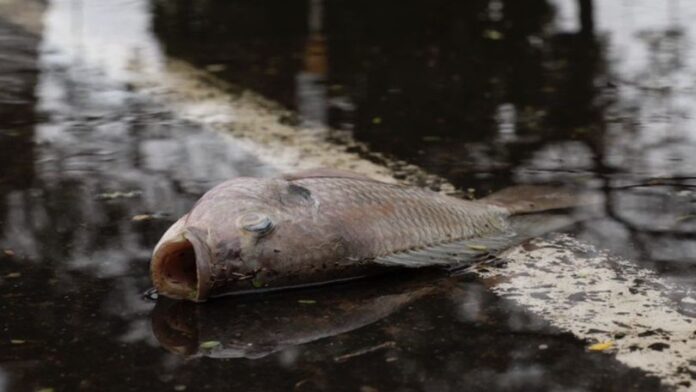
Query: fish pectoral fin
[
  {"x": 453, "y": 254},
  {"x": 324, "y": 172}
]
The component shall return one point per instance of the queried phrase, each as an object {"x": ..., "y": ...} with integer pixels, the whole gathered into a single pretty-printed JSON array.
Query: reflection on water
[
  {"x": 484, "y": 93},
  {"x": 311, "y": 80},
  {"x": 417, "y": 334},
  {"x": 95, "y": 155},
  {"x": 261, "y": 326},
  {"x": 646, "y": 153},
  {"x": 96, "y": 136}
]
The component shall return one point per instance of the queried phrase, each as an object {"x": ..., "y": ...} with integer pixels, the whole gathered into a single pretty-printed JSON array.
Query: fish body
[{"x": 308, "y": 228}]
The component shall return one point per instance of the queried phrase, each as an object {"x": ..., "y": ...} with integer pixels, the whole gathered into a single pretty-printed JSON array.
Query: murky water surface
[{"x": 483, "y": 93}]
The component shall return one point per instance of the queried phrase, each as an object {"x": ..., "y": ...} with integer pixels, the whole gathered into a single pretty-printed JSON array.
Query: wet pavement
[{"x": 483, "y": 94}]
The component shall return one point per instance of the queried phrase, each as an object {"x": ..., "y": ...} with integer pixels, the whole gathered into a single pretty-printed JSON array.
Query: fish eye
[{"x": 258, "y": 224}]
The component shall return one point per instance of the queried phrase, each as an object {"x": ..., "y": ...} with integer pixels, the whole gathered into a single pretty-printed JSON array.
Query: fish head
[{"x": 223, "y": 242}]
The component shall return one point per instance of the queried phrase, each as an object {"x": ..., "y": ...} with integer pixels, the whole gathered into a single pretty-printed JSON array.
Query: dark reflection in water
[
  {"x": 261, "y": 325},
  {"x": 485, "y": 93},
  {"x": 402, "y": 333},
  {"x": 423, "y": 80}
]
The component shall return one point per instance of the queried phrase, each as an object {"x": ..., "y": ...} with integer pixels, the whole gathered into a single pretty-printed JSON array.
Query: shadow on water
[{"x": 484, "y": 93}]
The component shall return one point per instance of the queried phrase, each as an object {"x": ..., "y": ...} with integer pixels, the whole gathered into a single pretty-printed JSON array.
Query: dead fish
[{"x": 324, "y": 225}]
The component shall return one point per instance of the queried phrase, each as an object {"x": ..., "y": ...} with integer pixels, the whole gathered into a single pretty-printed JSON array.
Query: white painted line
[
  {"x": 255, "y": 123},
  {"x": 600, "y": 298}
]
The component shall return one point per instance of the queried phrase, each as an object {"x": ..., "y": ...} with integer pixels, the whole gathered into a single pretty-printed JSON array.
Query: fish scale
[{"x": 415, "y": 218}]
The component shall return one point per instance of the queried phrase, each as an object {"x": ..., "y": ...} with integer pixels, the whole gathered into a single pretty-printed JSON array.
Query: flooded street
[{"x": 116, "y": 116}]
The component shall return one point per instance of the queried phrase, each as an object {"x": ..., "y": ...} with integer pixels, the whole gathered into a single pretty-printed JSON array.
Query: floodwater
[{"x": 485, "y": 94}]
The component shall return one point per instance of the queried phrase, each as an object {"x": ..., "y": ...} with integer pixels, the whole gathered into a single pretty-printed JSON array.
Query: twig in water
[{"x": 363, "y": 351}]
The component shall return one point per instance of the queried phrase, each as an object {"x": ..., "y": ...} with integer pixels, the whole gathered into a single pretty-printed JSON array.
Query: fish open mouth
[{"x": 180, "y": 268}]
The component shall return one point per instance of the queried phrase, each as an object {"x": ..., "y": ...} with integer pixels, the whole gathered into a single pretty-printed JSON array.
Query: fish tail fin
[
  {"x": 528, "y": 226},
  {"x": 535, "y": 211},
  {"x": 525, "y": 199}
]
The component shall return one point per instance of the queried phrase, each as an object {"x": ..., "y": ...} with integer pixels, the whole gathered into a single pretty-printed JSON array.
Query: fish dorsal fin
[
  {"x": 324, "y": 172},
  {"x": 453, "y": 254}
]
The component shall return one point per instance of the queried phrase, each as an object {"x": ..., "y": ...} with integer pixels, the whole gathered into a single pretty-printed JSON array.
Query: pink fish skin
[{"x": 249, "y": 234}]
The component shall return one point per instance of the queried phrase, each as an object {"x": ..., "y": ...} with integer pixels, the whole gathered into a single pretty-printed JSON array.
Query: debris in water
[
  {"x": 307, "y": 301},
  {"x": 367, "y": 350},
  {"x": 151, "y": 294},
  {"x": 8, "y": 252},
  {"x": 210, "y": 344},
  {"x": 492, "y": 35},
  {"x": 13, "y": 275},
  {"x": 179, "y": 387},
  {"x": 118, "y": 195},
  {"x": 603, "y": 346},
  {"x": 18, "y": 341},
  {"x": 257, "y": 283},
  {"x": 147, "y": 217},
  {"x": 686, "y": 217}
]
